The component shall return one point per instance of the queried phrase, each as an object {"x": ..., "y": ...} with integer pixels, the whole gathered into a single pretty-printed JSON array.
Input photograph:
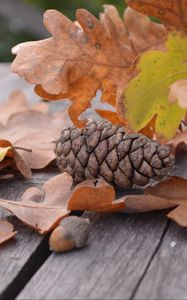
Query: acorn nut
[{"x": 70, "y": 234}]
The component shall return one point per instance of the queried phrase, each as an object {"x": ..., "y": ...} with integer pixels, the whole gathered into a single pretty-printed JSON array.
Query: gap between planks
[
  {"x": 35, "y": 261},
  {"x": 119, "y": 252},
  {"x": 133, "y": 295}
]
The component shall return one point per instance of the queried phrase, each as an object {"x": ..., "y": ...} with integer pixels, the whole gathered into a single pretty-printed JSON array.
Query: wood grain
[
  {"x": 166, "y": 277},
  {"x": 129, "y": 256},
  {"x": 119, "y": 250},
  {"x": 16, "y": 255}
]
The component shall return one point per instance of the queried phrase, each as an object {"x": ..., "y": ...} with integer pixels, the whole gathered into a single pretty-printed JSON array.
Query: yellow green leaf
[
  {"x": 147, "y": 94},
  {"x": 3, "y": 152}
]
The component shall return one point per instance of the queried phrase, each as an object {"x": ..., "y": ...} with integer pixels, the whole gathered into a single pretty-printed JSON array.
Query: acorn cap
[{"x": 71, "y": 233}]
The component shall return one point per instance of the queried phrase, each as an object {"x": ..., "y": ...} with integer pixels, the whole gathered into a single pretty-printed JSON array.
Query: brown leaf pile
[
  {"x": 43, "y": 209},
  {"x": 27, "y": 134},
  {"x": 78, "y": 60}
]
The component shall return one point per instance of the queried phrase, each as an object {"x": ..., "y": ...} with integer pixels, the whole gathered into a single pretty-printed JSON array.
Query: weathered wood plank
[
  {"x": 15, "y": 254},
  {"x": 166, "y": 277},
  {"x": 128, "y": 255},
  {"x": 119, "y": 250}
]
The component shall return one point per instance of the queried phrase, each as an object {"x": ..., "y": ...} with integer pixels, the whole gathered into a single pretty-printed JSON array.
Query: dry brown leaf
[
  {"x": 109, "y": 115},
  {"x": 30, "y": 134},
  {"x": 22, "y": 165},
  {"x": 7, "y": 162},
  {"x": 179, "y": 215},
  {"x": 144, "y": 203},
  {"x": 96, "y": 196},
  {"x": 165, "y": 194},
  {"x": 171, "y": 13},
  {"x": 42, "y": 209},
  {"x": 172, "y": 189},
  {"x": 8, "y": 151},
  {"x": 6, "y": 231},
  {"x": 17, "y": 102},
  {"x": 178, "y": 92},
  {"x": 77, "y": 61}
]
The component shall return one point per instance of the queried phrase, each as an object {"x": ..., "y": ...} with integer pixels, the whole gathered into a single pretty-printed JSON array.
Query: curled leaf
[
  {"x": 144, "y": 203},
  {"x": 6, "y": 231},
  {"x": 78, "y": 60},
  {"x": 172, "y": 189},
  {"x": 169, "y": 193},
  {"x": 96, "y": 196},
  {"x": 17, "y": 102},
  {"x": 165, "y": 194},
  {"x": 109, "y": 115},
  {"x": 28, "y": 135},
  {"x": 42, "y": 209},
  {"x": 179, "y": 215}
]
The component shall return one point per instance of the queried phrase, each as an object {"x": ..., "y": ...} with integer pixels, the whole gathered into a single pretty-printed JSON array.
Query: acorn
[{"x": 71, "y": 233}]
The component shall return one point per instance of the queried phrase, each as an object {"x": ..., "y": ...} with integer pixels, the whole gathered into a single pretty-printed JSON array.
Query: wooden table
[{"x": 129, "y": 256}]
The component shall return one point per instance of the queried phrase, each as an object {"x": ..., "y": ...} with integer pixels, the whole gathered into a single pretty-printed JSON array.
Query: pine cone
[{"x": 105, "y": 150}]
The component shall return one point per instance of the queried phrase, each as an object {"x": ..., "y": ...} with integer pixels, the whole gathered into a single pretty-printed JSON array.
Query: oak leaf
[
  {"x": 9, "y": 155},
  {"x": 27, "y": 136},
  {"x": 42, "y": 209},
  {"x": 17, "y": 102},
  {"x": 96, "y": 196},
  {"x": 78, "y": 60},
  {"x": 171, "y": 13},
  {"x": 169, "y": 193},
  {"x": 6, "y": 231},
  {"x": 109, "y": 115},
  {"x": 147, "y": 94}
]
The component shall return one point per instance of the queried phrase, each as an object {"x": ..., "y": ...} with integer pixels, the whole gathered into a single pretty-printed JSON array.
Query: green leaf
[{"x": 147, "y": 94}]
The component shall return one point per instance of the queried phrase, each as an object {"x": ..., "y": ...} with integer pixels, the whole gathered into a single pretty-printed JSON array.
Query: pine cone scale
[{"x": 105, "y": 150}]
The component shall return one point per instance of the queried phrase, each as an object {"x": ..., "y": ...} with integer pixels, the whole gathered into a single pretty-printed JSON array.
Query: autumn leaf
[
  {"x": 168, "y": 193},
  {"x": 174, "y": 189},
  {"x": 78, "y": 60},
  {"x": 147, "y": 94},
  {"x": 17, "y": 102},
  {"x": 171, "y": 13},
  {"x": 6, "y": 231},
  {"x": 42, "y": 209},
  {"x": 96, "y": 196},
  {"x": 144, "y": 203},
  {"x": 7, "y": 150},
  {"x": 27, "y": 136},
  {"x": 109, "y": 115}
]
